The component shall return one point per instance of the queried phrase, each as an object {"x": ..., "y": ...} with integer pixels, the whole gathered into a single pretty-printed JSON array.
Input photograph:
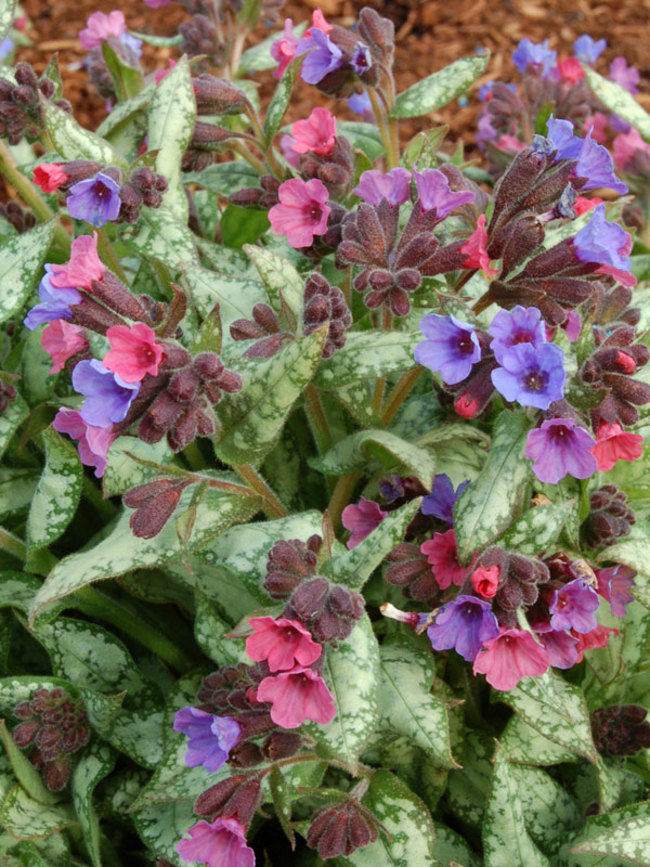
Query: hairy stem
[
  {"x": 271, "y": 503},
  {"x": 399, "y": 393},
  {"x": 341, "y": 497}
]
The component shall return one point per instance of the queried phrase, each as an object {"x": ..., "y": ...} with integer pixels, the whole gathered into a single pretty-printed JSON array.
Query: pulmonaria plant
[{"x": 260, "y": 380}]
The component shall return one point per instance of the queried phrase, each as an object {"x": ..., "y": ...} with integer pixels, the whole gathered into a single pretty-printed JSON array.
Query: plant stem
[
  {"x": 384, "y": 131},
  {"x": 12, "y": 544},
  {"x": 108, "y": 256},
  {"x": 397, "y": 396},
  {"x": 317, "y": 419},
  {"x": 272, "y": 505},
  {"x": 249, "y": 157},
  {"x": 341, "y": 497}
]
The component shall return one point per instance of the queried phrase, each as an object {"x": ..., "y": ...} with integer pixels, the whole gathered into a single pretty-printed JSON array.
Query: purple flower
[
  {"x": 587, "y": 50},
  {"x": 559, "y": 448},
  {"x": 434, "y": 192},
  {"x": 512, "y": 327},
  {"x": 595, "y": 163},
  {"x": 560, "y": 134},
  {"x": 360, "y": 103},
  {"x": 323, "y": 57},
  {"x": 55, "y": 303},
  {"x": 561, "y": 647},
  {"x": 485, "y": 131},
  {"x": 221, "y": 843},
  {"x": 627, "y": 76},
  {"x": 210, "y": 738},
  {"x": 451, "y": 347},
  {"x": 600, "y": 242},
  {"x": 108, "y": 397},
  {"x": 531, "y": 375},
  {"x": 391, "y": 488},
  {"x": 394, "y": 186},
  {"x": 485, "y": 91},
  {"x": 361, "y": 59},
  {"x": 464, "y": 624},
  {"x": 539, "y": 55},
  {"x": 614, "y": 585},
  {"x": 440, "y": 502},
  {"x": 361, "y": 519},
  {"x": 573, "y": 607},
  {"x": 95, "y": 200}
]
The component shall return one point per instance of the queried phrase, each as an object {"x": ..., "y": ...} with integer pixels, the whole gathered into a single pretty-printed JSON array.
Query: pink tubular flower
[
  {"x": 134, "y": 352},
  {"x": 361, "y": 519},
  {"x": 613, "y": 444},
  {"x": 282, "y": 643},
  {"x": 297, "y": 696},
  {"x": 100, "y": 26},
  {"x": 625, "y": 145},
  {"x": 283, "y": 49},
  {"x": 94, "y": 442},
  {"x": 598, "y": 637},
  {"x": 316, "y": 134},
  {"x": 302, "y": 212},
  {"x": 582, "y": 204},
  {"x": 49, "y": 176},
  {"x": 219, "y": 844},
  {"x": 84, "y": 265},
  {"x": 475, "y": 250},
  {"x": 442, "y": 555},
  {"x": 485, "y": 581},
  {"x": 510, "y": 656},
  {"x": 62, "y": 340}
]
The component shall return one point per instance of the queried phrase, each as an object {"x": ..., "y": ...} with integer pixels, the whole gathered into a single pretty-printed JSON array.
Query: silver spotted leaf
[
  {"x": 96, "y": 763},
  {"x": 21, "y": 266},
  {"x": 438, "y": 89},
  {"x": 619, "y": 101}
]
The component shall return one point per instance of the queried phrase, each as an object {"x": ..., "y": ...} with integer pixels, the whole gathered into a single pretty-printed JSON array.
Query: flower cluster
[{"x": 20, "y": 107}]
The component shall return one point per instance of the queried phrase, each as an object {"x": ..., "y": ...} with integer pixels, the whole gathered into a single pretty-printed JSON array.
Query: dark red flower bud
[
  {"x": 56, "y": 773},
  {"x": 328, "y": 611},
  {"x": 339, "y": 829},
  {"x": 218, "y": 96},
  {"x": 154, "y": 503},
  {"x": 245, "y": 754},
  {"x": 289, "y": 563},
  {"x": 236, "y": 797},
  {"x": 620, "y": 730},
  {"x": 281, "y": 745}
]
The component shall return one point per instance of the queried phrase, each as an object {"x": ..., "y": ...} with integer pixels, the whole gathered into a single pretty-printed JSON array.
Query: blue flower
[
  {"x": 210, "y": 737},
  {"x": 587, "y": 50},
  {"x": 440, "y": 502},
  {"x": 451, "y": 347},
  {"x": 55, "y": 303},
  {"x": 531, "y": 375},
  {"x": 434, "y": 192},
  {"x": 360, "y": 103},
  {"x": 601, "y": 242},
  {"x": 512, "y": 327},
  {"x": 528, "y": 52},
  {"x": 560, "y": 134},
  {"x": 323, "y": 57},
  {"x": 108, "y": 397},
  {"x": 464, "y": 624},
  {"x": 594, "y": 162},
  {"x": 95, "y": 200},
  {"x": 361, "y": 59}
]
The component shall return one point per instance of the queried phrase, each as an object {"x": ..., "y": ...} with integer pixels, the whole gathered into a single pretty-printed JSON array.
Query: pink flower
[
  {"x": 598, "y": 637},
  {"x": 220, "y": 844},
  {"x": 282, "y": 643},
  {"x": 49, "y": 176},
  {"x": 361, "y": 519},
  {"x": 442, "y": 555},
  {"x": 283, "y": 49},
  {"x": 157, "y": 4},
  {"x": 134, "y": 352},
  {"x": 614, "y": 444},
  {"x": 100, "y": 26},
  {"x": 62, "y": 340},
  {"x": 316, "y": 134},
  {"x": 297, "y": 696},
  {"x": 582, "y": 204},
  {"x": 94, "y": 442},
  {"x": 510, "y": 656},
  {"x": 290, "y": 154},
  {"x": 84, "y": 265},
  {"x": 302, "y": 212},
  {"x": 161, "y": 73},
  {"x": 625, "y": 145},
  {"x": 572, "y": 325},
  {"x": 475, "y": 250},
  {"x": 597, "y": 125},
  {"x": 570, "y": 70},
  {"x": 318, "y": 21},
  {"x": 510, "y": 143},
  {"x": 485, "y": 581}
]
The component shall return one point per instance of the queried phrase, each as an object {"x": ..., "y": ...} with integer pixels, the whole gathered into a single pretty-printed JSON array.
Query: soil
[{"x": 429, "y": 36}]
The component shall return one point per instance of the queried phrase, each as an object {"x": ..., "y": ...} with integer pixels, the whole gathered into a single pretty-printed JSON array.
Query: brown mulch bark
[{"x": 430, "y": 34}]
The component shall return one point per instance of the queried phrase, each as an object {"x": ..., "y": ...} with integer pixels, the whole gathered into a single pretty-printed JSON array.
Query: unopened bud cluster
[{"x": 20, "y": 110}]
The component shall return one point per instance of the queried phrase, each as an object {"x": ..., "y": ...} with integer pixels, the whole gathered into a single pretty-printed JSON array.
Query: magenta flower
[
  {"x": 62, "y": 340},
  {"x": 361, "y": 519},
  {"x": 485, "y": 580},
  {"x": 465, "y": 624},
  {"x": 84, "y": 265},
  {"x": 283, "y": 49},
  {"x": 442, "y": 555},
  {"x": 316, "y": 134},
  {"x": 210, "y": 738},
  {"x": 559, "y": 448},
  {"x": 394, "y": 186},
  {"x": 219, "y": 844},
  {"x": 572, "y": 326},
  {"x": 512, "y": 327},
  {"x": 614, "y": 585},
  {"x": 94, "y": 442},
  {"x": 627, "y": 76},
  {"x": 613, "y": 444},
  {"x": 475, "y": 250},
  {"x": 296, "y": 696},
  {"x": 134, "y": 352},
  {"x": 108, "y": 397},
  {"x": 451, "y": 347},
  {"x": 302, "y": 212},
  {"x": 282, "y": 643},
  {"x": 99, "y": 27},
  {"x": 561, "y": 647},
  {"x": 95, "y": 200},
  {"x": 573, "y": 607},
  {"x": 434, "y": 192},
  {"x": 531, "y": 375},
  {"x": 49, "y": 176},
  {"x": 598, "y": 637},
  {"x": 510, "y": 656}
]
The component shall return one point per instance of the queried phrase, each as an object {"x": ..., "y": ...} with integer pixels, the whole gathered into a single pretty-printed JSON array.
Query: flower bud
[
  {"x": 328, "y": 611},
  {"x": 218, "y": 96},
  {"x": 288, "y": 564},
  {"x": 620, "y": 730},
  {"x": 236, "y": 797},
  {"x": 281, "y": 745},
  {"x": 154, "y": 503},
  {"x": 339, "y": 829}
]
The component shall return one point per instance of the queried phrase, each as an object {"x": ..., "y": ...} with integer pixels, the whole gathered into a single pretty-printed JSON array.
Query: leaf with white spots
[
  {"x": 21, "y": 266},
  {"x": 550, "y": 814},
  {"x": 281, "y": 796},
  {"x": 225, "y": 178},
  {"x": 73, "y": 142},
  {"x": 126, "y": 126},
  {"x": 165, "y": 239},
  {"x": 282, "y": 280},
  {"x": 351, "y": 671},
  {"x": 436, "y": 90},
  {"x": 162, "y": 826},
  {"x": 537, "y": 529},
  {"x": 619, "y": 101},
  {"x": 17, "y": 488},
  {"x": 487, "y": 506},
  {"x": 634, "y": 553},
  {"x": 7, "y": 15},
  {"x": 95, "y": 764},
  {"x": 525, "y": 745},
  {"x": 623, "y": 835},
  {"x": 124, "y": 464},
  {"x": 210, "y": 632},
  {"x": 468, "y": 787},
  {"x": 26, "y": 819},
  {"x": 364, "y": 137},
  {"x": 57, "y": 494},
  {"x": 367, "y": 355},
  {"x": 280, "y": 100}
]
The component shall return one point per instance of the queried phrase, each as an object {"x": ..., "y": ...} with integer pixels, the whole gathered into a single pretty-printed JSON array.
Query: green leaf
[
  {"x": 555, "y": 709},
  {"x": 367, "y": 356},
  {"x": 124, "y": 472},
  {"x": 74, "y": 142},
  {"x": 438, "y": 89},
  {"x": 468, "y": 788},
  {"x": 17, "y": 488},
  {"x": 95, "y": 764},
  {"x": 281, "y": 796},
  {"x": 25, "y": 772},
  {"x": 11, "y": 419},
  {"x": 57, "y": 494},
  {"x": 280, "y": 100},
  {"x": 406, "y": 706},
  {"x": 240, "y": 226},
  {"x": 171, "y": 123},
  {"x": 619, "y": 101},
  {"x": 252, "y": 419},
  {"x": 161, "y": 826},
  {"x": 450, "y": 847},
  {"x": 126, "y": 125},
  {"x": 524, "y": 745},
  {"x": 22, "y": 258},
  {"x": 537, "y": 529},
  {"x": 225, "y": 178},
  {"x": 210, "y": 630},
  {"x": 127, "y": 79},
  {"x": 281, "y": 279},
  {"x": 624, "y": 835},
  {"x": 163, "y": 238},
  {"x": 487, "y": 506},
  {"x": 354, "y": 567},
  {"x": 505, "y": 839},
  {"x": 364, "y": 137},
  {"x": 7, "y": 15},
  {"x": 351, "y": 671},
  {"x": 26, "y": 819},
  {"x": 634, "y": 553},
  {"x": 550, "y": 814}
]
